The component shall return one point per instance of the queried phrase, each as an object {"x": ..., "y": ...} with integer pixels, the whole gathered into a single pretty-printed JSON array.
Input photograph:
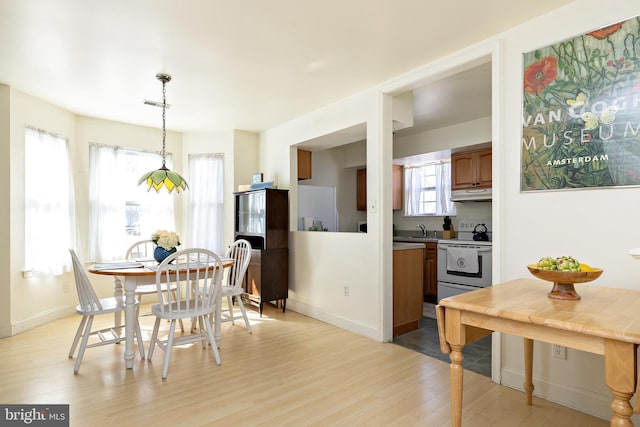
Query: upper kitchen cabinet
[
  {"x": 361, "y": 182},
  {"x": 304, "y": 164},
  {"x": 361, "y": 200},
  {"x": 471, "y": 169}
]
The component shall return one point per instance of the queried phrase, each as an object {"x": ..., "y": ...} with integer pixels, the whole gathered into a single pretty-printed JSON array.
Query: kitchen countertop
[{"x": 399, "y": 246}]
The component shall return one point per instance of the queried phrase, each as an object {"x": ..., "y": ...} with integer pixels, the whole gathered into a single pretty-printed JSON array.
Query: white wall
[
  {"x": 5, "y": 210},
  {"x": 321, "y": 264}
]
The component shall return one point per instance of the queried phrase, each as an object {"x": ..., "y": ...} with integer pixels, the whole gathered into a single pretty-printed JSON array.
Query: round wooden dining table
[{"x": 132, "y": 277}]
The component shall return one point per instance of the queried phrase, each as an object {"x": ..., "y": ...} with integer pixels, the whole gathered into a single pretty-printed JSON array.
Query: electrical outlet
[
  {"x": 559, "y": 351},
  {"x": 346, "y": 290}
]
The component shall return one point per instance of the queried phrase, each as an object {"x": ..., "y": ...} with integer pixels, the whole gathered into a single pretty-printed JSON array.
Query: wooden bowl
[{"x": 563, "y": 281}]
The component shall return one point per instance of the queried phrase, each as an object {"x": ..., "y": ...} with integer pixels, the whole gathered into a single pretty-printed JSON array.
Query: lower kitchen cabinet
[
  {"x": 267, "y": 277},
  {"x": 407, "y": 289},
  {"x": 430, "y": 285}
]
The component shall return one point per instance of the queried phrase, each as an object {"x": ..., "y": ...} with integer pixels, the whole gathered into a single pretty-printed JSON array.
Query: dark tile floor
[{"x": 477, "y": 356}]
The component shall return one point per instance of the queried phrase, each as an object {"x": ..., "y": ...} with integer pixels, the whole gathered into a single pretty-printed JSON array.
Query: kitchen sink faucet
[{"x": 423, "y": 229}]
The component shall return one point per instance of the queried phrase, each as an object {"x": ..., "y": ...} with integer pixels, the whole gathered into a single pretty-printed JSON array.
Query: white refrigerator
[{"x": 319, "y": 203}]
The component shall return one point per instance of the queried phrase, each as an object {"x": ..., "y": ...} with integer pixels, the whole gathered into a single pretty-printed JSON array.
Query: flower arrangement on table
[{"x": 166, "y": 242}]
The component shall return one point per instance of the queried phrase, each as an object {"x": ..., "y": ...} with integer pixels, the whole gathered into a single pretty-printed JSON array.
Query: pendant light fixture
[{"x": 163, "y": 177}]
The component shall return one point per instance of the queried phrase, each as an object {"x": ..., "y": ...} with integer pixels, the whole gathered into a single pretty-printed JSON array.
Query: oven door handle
[{"x": 483, "y": 249}]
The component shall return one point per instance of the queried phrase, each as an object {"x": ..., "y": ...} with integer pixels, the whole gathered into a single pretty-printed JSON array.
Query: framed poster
[
  {"x": 581, "y": 111},
  {"x": 256, "y": 178}
]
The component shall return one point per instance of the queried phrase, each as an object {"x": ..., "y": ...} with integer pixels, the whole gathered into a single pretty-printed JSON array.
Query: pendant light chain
[{"x": 164, "y": 131}]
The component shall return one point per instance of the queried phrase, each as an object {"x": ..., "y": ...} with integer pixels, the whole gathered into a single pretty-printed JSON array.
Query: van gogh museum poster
[{"x": 581, "y": 111}]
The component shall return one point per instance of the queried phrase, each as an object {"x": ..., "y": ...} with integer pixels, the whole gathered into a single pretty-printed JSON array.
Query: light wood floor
[{"x": 292, "y": 371}]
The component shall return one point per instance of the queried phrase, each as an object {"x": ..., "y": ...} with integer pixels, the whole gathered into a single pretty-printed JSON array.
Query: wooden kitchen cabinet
[
  {"x": 430, "y": 283},
  {"x": 361, "y": 194},
  {"x": 397, "y": 187},
  {"x": 471, "y": 169},
  {"x": 304, "y": 165},
  {"x": 407, "y": 289}
]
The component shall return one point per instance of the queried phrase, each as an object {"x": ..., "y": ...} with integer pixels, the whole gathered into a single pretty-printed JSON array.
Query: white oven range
[{"x": 463, "y": 265}]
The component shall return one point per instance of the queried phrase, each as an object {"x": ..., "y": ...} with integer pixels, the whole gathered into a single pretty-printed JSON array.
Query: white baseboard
[
  {"x": 37, "y": 320},
  {"x": 582, "y": 400},
  {"x": 332, "y": 319}
]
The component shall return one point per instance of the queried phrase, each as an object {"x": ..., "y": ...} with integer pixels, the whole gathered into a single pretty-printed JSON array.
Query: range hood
[{"x": 471, "y": 195}]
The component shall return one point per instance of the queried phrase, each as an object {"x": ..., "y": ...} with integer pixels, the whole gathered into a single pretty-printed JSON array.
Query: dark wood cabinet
[
  {"x": 471, "y": 169},
  {"x": 430, "y": 287},
  {"x": 262, "y": 218}
]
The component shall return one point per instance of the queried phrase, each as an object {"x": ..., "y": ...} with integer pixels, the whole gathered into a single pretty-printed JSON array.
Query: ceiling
[{"x": 246, "y": 64}]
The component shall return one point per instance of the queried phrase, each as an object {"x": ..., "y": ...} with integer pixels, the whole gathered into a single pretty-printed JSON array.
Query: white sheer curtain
[
  {"x": 49, "y": 203},
  {"x": 412, "y": 191},
  {"x": 106, "y": 205},
  {"x": 113, "y": 189},
  {"x": 205, "y": 210},
  {"x": 444, "y": 205},
  {"x": 427, "y": 190}
]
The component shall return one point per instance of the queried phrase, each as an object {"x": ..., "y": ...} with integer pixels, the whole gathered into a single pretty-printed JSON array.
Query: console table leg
[
  {"x": 620, "y": 375},
  {"x": 456, "y": 373},
  {"x": 528, "y": 370}
]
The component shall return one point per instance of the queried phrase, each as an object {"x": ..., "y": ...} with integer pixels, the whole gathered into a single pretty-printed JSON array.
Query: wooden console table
[{"x": 605, "y": 321}]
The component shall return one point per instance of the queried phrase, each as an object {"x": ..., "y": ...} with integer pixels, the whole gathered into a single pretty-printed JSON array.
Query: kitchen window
[{"x": 427, "y": 189}]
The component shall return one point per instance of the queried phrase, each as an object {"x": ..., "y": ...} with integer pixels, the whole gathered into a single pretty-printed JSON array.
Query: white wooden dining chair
[
  {"x": 240, "y": 252},
  {"x": 193, "y": 266},
  {"x": 90, "y": 306},
  {"x": 142, "y": 251}
]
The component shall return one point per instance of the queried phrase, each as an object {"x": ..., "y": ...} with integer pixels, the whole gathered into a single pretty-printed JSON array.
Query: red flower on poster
[
  {"x": 605, "y": 32},
  {"x": 540, "y": 74}
]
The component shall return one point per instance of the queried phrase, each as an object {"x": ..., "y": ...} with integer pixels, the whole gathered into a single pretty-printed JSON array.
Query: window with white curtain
[
  {"x": 120, "y": 211},
  {"x": 205, "y": 209},
  {"x": 49, "y": 203},
  {"x": 427, "y": 189}
]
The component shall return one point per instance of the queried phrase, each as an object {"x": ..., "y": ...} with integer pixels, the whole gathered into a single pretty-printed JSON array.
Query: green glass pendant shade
[{"x": 164, "y": 177}]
